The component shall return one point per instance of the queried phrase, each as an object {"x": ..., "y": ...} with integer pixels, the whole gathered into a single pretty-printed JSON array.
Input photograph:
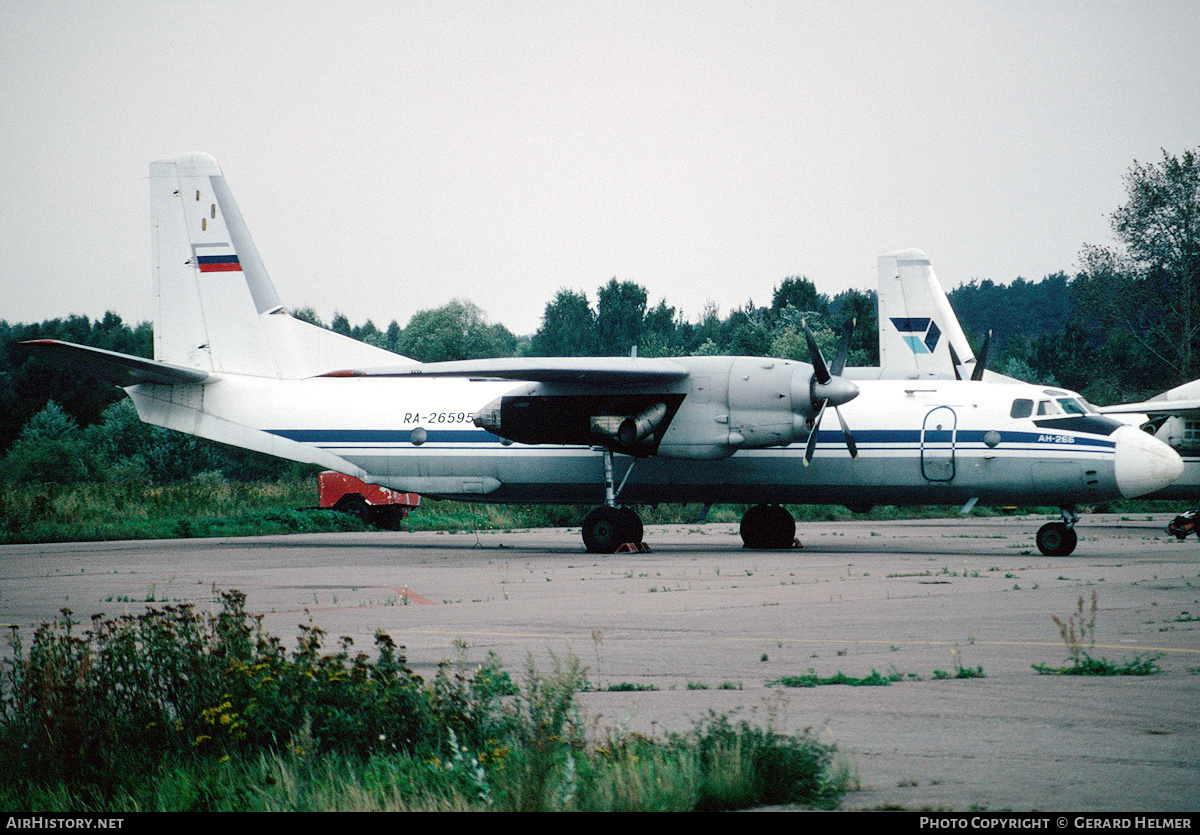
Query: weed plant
[
  {"x": 1078, "y": 632},
  {"x": 960, "y": 669},
  {"x": 176, "y": 710}
]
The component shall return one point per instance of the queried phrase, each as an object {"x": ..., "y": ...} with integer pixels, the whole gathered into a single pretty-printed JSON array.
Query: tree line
[
  {"x": 61, "y": 427},
  {"x": 1125, "y": 326}
]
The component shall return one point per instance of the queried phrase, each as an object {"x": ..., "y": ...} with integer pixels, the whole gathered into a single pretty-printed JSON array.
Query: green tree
[
  {"x": 664, "y": 333},
  {"x": 456, "y": 331},
  {"x": 706, "y": 336},
  {"x": 307, "y": 314},
  {"x": 391, "y": 340},
  {"x": 1160, "y": 228},
  {"x": 860, "y": 307},
  {"x": 620, "y": 316},
  {"x": 28, "y": 382},
  {"x": 341, "y": 324},
  {"x": 800, "y": 293},
  {"x": 49, "y": 449},
  {"x": 568, "y": 327},
  {"x": 745, "y": 333},
  {"x": 1148, "y": 289},
  {"x": 369, "y": 334}
]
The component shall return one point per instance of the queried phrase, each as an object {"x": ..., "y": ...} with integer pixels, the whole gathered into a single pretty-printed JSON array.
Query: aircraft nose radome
[{"x": 1143, "y": 463}]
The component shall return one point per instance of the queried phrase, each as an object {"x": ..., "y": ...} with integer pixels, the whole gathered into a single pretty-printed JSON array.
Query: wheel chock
[{"x": 633, "y": 548}]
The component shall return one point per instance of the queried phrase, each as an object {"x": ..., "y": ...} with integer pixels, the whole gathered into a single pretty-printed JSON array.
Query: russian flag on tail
[{"x": 218, "y": 263}]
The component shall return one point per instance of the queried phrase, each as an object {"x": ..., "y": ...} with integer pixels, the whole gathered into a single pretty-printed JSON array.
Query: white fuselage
[{"x": 919, "y": 442}]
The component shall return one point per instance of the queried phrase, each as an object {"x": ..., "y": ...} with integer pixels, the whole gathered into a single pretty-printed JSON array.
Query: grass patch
[
  {"x": 175, "y": 710},
  {"x": 875, "y": 679},
  {"x": 1086, "y": 665},
  {"x": 960, "y": 672},
  {"x": 811, "y": 679}
]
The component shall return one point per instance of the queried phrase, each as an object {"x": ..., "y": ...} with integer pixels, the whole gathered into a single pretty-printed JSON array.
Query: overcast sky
[{"x": 391, "y": 156}]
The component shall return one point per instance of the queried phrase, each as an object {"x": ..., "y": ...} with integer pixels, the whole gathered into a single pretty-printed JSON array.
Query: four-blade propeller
[
  {"x": 827, "y": 388},
  {"x": 980, "y": 364}
]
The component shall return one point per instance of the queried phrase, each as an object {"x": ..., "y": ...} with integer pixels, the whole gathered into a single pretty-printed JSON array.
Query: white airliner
[
  {"x": 232, "y": 365},
  {"x": 1174, "y": 418}
]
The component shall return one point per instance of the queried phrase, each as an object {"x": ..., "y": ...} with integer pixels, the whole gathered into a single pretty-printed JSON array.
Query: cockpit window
[
  {"x": 1021, "y": 408},
  {"x": 1048, "y": 407},
  {"x": 1072, "y": 406}
]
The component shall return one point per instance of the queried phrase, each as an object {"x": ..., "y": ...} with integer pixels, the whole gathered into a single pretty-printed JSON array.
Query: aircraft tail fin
[
  {"x": 215, "y": 308},
  {"x": 919, "y": 335}
]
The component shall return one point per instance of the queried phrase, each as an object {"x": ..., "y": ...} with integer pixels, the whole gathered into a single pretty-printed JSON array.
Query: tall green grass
[
  {"x": 176, "y": 710},
  {"x": 211, "y": 505},
  {"x": 207, "y": 505}
]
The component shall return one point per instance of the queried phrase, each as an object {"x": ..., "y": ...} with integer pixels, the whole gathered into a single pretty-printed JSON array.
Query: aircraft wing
[
  {"x": 1152, "y": 407},
  {"x": 625, "y": 371},
  {"x": 121, "y": 369}
]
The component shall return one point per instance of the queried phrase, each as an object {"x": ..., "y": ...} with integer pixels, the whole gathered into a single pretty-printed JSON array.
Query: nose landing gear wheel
[{"x": 1055, "y": 539}]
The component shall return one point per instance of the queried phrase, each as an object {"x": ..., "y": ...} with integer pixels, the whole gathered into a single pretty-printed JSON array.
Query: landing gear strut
[
  {"x": 768, "y": 526},
  {"x": 607, "y": 528},
  {"x": 1058, "y": 539}
]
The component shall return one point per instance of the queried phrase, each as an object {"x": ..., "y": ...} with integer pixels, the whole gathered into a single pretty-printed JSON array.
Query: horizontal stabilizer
[
  {"x": 598, "y": 370},
  {"x": 121, "y": 369}
]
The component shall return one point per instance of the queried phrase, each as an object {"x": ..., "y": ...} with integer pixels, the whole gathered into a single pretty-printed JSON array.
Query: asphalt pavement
[{"x": 711, "y": 625}]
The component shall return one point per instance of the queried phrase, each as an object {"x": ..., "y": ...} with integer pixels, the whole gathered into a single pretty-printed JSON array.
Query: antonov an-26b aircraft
[{"x": 232, "y": 365}]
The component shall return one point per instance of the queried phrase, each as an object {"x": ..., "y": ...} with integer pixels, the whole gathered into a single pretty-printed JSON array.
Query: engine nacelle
[
  {"x": 746, "y": 403},
  {"x": 725, "y": 404}
]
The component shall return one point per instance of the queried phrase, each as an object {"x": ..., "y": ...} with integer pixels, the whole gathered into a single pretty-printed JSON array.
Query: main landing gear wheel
[
  {"x": 1055, "y": 539},
  {"x": 606, "y": 529},
  {"x": 768, "y": 526},
  {"x": 633, "y": 525}
]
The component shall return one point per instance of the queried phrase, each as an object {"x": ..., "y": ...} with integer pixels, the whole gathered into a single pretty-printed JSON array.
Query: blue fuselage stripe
[{"x": 880, "y": 438}]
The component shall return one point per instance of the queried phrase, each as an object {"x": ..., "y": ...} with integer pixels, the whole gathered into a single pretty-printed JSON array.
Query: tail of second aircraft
[
  {"x": 215, "y": 308},
  {"x": 919, "y": 335}
]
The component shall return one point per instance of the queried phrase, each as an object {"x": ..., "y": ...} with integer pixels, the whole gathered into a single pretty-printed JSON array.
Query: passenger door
[{"x": 937, "y": 444}]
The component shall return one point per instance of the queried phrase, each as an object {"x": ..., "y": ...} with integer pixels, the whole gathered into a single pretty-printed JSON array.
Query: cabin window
[
  {"x": 1021, "y": 408},
  {"x": 1191, "y": 438}
]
